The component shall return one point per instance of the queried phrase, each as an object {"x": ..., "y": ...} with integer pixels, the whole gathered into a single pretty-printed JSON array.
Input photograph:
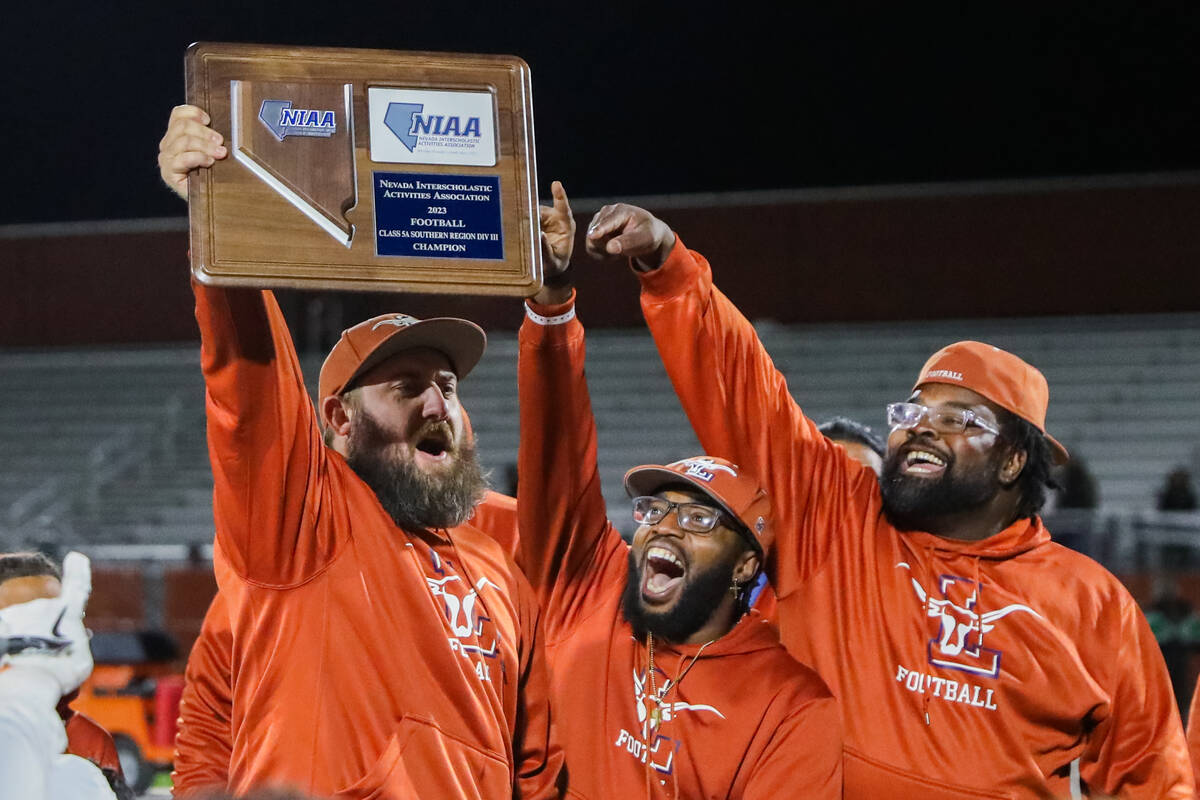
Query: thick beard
[
  {"x": 916, "y": 504},
  {"x": 697, "y": 602},
  {"x": 414, "y": 499}
]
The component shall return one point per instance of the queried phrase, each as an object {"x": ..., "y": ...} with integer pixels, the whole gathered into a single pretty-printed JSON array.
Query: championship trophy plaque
[{"x": 365, "y": 170}]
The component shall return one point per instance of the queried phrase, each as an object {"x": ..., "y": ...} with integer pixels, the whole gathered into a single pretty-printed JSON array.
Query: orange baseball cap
[
  {"x": 377, "y": 339},
  {"x": 999, "y": 376},
  {"x": 737, "y": 492}
]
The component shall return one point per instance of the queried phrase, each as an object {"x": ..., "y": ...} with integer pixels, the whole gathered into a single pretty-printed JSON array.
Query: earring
[{"x": 735, "y": 589}]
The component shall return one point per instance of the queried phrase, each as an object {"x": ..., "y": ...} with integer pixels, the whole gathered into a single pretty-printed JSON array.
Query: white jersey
[{"x": 32, "y": 739}]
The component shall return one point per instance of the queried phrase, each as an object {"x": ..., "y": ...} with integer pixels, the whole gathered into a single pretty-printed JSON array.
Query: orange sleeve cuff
[
  {"x": 673, "y": 277},
  {"x": 550, "y": 324},
  {"x": 553, "y": 310}
]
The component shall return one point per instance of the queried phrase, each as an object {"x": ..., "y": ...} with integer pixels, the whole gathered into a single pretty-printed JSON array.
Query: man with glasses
[
  {"x": 972, "y": 656},
  {"x": 663, "y": 685}
]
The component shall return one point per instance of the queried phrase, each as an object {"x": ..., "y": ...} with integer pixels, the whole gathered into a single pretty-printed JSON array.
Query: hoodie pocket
[
  {"x": 421, "y": 760},
  {"x": 866, "y": 777}
]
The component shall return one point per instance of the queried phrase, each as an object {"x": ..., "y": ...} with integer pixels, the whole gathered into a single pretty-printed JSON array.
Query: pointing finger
[
  {"x": 561, "y": 204},
  {"x": 610, "y": 223}
]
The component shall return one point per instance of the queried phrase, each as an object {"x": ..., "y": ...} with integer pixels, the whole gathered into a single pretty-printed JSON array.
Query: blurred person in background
[
  {"x": 1076, "y": 486},
  {"x": 1176, "y": 627},
  {"x": 44, "y": 657},
  {"x": 1177, "y": 493},
  {"x": 1070, "y": 508},
  {"x": 32, "y": 576},
  {"x": 860, "y": 442},
  {"x": 1178, "y": 496}
]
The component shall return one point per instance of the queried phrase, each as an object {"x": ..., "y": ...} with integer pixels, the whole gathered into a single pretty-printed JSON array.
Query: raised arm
[
  {"x": 267, "y": 456},
  {"x": 264, "y": 443},
  {"x": 737, "y": 401},
  {"x": 568, "y": 548}
]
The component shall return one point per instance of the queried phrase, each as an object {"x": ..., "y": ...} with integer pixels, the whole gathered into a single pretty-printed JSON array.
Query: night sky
[{"x": 644, "y": 98}]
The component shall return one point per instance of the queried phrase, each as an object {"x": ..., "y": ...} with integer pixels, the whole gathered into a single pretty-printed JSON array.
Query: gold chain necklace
[{"x": 656, "y": 711}]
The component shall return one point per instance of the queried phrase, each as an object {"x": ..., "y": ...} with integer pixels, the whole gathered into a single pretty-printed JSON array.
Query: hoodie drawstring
[
  {"x": 928, "y": 597},
  {"x": 977, "y": 610},
  {"x": 978, "y": 602},
  {"x": 661, "y": 719}
]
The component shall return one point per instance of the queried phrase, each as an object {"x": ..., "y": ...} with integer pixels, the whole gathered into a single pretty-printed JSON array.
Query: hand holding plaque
[{"x": 364, "y": 169}]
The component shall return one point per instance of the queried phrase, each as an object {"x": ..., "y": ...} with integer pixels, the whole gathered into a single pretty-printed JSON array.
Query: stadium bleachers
[{"x": 110, "y": 449}]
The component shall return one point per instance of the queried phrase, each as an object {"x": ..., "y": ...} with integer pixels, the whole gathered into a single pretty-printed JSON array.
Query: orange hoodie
[
  {"x": 1006, "y": 668},
  {"x": 1193, "y": 729},
  {"x": 740, "y": 718},
  {"x": 203, "y": 738},
  {"x": 366, "y": 661},
  {"x": 203, "y": 741}
]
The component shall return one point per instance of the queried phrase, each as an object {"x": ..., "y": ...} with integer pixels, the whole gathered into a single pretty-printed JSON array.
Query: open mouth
[
  {"x": 434, "y": 444},
  {"x": 662, "y": 574},
  {"x": 922, "y": 461}
]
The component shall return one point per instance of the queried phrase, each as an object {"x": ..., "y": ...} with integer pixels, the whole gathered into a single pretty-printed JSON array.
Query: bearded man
[
  {"x": 380, "y": 647},
  {"x": 666, "y": 686},
  {"x": 203, "y": 742},
  {"x": 972, "y": 656}
]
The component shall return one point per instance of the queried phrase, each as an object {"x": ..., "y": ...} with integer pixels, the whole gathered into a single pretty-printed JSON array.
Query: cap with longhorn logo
[{"x": 734, "y": 490}]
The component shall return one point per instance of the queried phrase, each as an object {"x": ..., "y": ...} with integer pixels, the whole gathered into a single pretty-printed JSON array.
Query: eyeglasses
[
  {"x": 943, "y": 419},
  {"x": 694, "y": 517}
]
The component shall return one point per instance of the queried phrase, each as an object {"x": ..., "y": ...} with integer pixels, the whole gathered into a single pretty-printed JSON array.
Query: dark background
[{"x": 636, "y": 98}]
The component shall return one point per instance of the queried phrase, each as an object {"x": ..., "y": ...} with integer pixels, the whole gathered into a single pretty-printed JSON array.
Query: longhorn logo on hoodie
[
  {"x": 648, "y": 703},
  {"x": 473, "y": 633},
  {"x": 653, "y": 711},
  {"x": 958, "y": 641}
]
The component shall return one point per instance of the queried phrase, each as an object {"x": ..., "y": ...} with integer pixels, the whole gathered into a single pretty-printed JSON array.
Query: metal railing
[{"x": 42, "y": 515}]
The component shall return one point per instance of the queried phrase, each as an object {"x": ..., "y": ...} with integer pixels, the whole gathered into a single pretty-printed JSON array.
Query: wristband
[{"x": 557, "y": 319}]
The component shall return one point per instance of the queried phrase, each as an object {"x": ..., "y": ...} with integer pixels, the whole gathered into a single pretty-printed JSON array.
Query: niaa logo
[
  {"x": 282, "y": 120},
  {"x": 409, "y": 124}
]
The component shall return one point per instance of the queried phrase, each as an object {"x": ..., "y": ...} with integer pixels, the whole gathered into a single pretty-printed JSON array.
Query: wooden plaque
[{"x": 365, "y": 170}]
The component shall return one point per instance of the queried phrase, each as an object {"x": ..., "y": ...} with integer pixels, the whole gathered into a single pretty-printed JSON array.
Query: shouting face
[
  {"x": 678, "y": 581},
  {"x": 407, "y": 441}
]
